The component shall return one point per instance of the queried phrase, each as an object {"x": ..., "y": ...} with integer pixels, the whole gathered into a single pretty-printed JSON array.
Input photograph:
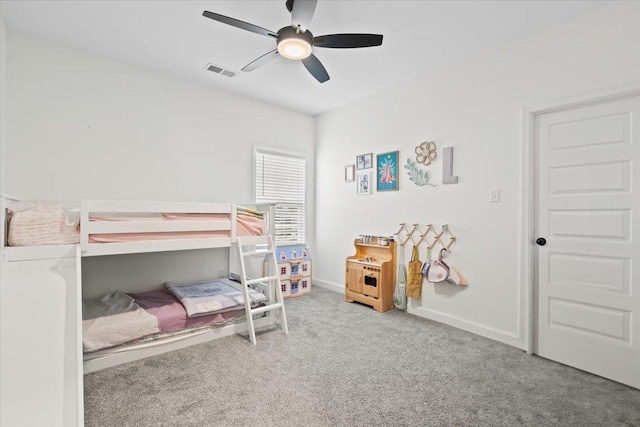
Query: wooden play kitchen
[{"x": 371, "y": 273}]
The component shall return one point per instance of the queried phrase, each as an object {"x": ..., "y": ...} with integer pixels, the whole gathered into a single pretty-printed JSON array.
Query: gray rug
[{"x": 347, "y": 365}]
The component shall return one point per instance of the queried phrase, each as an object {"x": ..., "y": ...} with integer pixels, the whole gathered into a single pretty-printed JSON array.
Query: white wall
[
  {"x": 475, "y": 107},
  {"x": 87, "y": 127},
  {"x": 3, "y": 86},
  {"x": 83, "y": 126},
  {"x": 3, "y": 90}
]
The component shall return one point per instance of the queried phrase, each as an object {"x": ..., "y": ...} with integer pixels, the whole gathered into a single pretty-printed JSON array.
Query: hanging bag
[
  {"x": 436, "y": 271},
  {"x": 457, "y": 278},
  {"x": 400, "y": 293},
  {"x": 414, "y": 278}
]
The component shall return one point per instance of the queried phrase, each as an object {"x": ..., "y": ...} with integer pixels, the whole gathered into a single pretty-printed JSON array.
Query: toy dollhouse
[{"x": 294, "y": 267}]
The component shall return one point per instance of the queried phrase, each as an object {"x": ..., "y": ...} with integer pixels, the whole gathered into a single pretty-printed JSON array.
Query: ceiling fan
[{"x": 296, "y": 41}]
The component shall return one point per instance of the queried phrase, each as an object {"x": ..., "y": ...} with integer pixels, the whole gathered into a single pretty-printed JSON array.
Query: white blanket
[
  {"x": 213, "y": 296},
  {"x": 114, "y": 319},
  {"x": 41, "y": 223}
]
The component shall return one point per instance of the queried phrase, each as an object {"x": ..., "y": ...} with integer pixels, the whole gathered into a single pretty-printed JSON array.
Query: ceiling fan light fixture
[
  {"x": 294, "y": 48},
  {"x": 294, "y": 44}
]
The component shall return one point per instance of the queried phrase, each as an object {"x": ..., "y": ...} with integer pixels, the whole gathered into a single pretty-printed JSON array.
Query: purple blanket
[{"x": 172, "y": 315}]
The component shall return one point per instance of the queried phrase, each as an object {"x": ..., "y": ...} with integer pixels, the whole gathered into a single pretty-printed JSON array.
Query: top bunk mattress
[{"x": 49, "y": 223}]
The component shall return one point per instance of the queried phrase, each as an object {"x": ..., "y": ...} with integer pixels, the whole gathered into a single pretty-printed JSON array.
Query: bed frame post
[
  {"x": 84, "y": 224},
  {"x": 79, "y": 354},
  {"x": 4, "y": 202},
  {"x": 3, "y": 226}
]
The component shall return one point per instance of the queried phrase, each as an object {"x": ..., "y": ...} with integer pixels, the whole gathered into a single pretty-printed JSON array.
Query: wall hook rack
[
  {"x": 407, "y": 233},
  {"x": 445, "y": 237}
]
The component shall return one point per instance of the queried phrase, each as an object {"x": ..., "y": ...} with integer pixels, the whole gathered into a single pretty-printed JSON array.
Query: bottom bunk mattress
[{"x": 118, "y": 318}]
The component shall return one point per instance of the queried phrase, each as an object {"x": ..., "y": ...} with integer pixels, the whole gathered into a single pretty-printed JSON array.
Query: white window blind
[{"x": 280, "y": 179}]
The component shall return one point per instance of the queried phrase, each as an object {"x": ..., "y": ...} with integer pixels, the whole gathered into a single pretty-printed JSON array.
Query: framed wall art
[
  {"x": 364, "y": 161},
  {"x": 363, "y": 183},
  {"x": 387, "y": 171},
  {"x": 349, "y": 173}
]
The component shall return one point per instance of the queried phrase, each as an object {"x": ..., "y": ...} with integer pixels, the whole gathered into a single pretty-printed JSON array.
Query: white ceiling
[{"x": 174, "y": 38}]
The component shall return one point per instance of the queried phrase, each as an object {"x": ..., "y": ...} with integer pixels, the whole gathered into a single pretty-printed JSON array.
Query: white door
[{"x": 588, "y": 210}]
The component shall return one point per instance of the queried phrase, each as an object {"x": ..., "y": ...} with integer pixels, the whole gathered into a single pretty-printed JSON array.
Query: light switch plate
[{"x": 494, "y": 195}]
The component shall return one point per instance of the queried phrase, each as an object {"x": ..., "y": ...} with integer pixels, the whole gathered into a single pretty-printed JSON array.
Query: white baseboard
[
  {"x": 466, "y": 325},
  {"x": 469, "y": 326},
  {"x": 328, "y": 285}
]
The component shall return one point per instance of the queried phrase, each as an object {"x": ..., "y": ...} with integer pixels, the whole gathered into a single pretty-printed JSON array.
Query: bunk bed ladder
[{"x": 272, "y": 278}]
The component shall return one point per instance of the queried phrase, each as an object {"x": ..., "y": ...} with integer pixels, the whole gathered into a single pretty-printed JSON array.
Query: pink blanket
[
  {"x": 140, "y": 237},
  {"x": 246, "y": 225},
  {"x": 195, "y": 217}
]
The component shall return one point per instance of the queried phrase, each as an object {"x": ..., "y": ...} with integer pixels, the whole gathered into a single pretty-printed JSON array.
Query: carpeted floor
[{"x": 347, "y": 365}]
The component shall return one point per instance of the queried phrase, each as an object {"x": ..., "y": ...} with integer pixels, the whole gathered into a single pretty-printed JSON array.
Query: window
[{"x": 280, "y": 179}]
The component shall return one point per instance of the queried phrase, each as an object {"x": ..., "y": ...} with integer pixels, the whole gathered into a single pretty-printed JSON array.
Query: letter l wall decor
[{"x": 447, "y": 166}]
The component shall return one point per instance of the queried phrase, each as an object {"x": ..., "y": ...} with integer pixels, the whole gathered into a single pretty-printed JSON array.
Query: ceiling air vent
[{"x": 220, "y": 70}]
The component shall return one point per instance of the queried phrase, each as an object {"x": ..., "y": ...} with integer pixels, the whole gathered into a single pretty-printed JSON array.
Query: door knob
[{"x": 541, "y": 241}]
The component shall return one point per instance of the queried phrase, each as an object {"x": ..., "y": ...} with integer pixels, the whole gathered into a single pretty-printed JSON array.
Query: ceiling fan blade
[
  {"x": 262, "y": 60},
  {"x": 347, "y": 41},
  {"x": 239, "y": 24},
  {"x": 289, "y": 5},
  {"x": 301, "y": 13},
  {"x": 315, "y": 67}
]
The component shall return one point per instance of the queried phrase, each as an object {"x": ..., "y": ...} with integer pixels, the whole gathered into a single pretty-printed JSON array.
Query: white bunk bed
[{"x": 65, "y": 260}]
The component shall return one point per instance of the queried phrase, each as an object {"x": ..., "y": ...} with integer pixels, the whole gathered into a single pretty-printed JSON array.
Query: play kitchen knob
[{"x": 541, "y": 241}]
